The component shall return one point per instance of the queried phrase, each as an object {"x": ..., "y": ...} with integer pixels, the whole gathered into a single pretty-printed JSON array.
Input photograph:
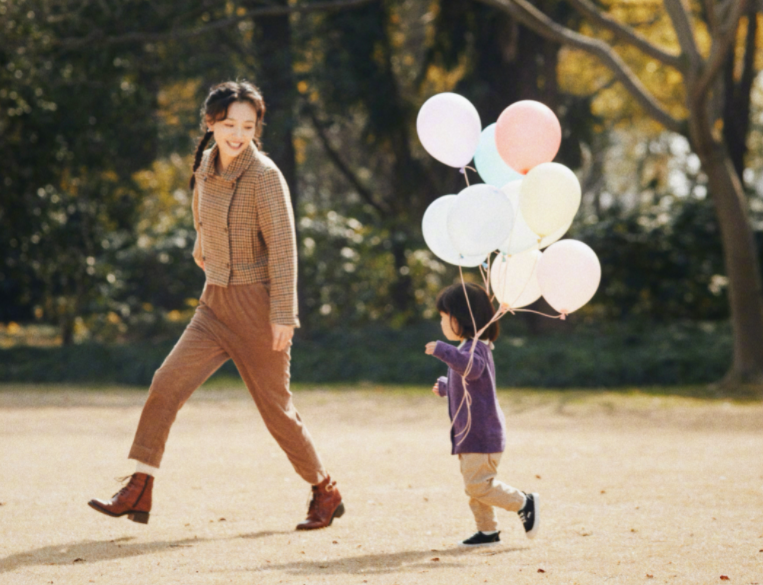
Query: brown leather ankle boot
[
  {"x": 324, "y": 507},
  {"x": 134, "y": 499}
]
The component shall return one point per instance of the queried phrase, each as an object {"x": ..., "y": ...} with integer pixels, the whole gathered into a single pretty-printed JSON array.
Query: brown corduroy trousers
[{"x": 232, "y": 322}]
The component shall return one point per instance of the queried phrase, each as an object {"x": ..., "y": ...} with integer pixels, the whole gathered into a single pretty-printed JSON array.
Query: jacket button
[
  {"x": 200, "y": 224},
  {"x": 204, "y": 179},
  {"x": 224, "y": 229},
  {"x": 203, "y": 257},
  {"x": 227, "y": 265}
]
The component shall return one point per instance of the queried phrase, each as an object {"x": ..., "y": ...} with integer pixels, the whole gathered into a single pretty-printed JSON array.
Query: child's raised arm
[{"x": 458, "y": 360}]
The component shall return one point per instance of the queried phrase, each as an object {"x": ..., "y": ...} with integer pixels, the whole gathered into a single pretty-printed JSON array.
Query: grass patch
[{"x": 628, "y": 355}]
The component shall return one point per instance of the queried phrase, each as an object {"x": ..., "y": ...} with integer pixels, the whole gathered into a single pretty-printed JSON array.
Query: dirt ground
[{"x": 633, "y": 489}]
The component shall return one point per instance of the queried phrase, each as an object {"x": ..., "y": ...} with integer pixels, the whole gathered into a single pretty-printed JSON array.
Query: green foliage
[{"x": 632, "y": 354}]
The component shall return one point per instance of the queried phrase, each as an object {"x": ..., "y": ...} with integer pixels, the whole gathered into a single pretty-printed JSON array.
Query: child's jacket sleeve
[
  {"x": 442, "y": 386},
  {"x": 458, "y": 359}
]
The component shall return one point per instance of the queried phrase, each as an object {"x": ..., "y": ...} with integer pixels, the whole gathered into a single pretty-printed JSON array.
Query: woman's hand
[
  {"x": 429, "y": 348},
  {"x": 282, "y": 335},
  {"x": 199, "y": 262},
  {"x": 436, "y": 388}
]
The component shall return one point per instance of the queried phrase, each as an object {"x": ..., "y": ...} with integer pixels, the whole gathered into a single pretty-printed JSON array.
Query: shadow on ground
[
  {"x": 93, "y": 551},
  {"x": 419, "y": 560}
]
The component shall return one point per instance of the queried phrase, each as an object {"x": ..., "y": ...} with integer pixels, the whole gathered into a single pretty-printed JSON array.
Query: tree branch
[
  {"x": 343, "y": 167},
  {"x": 684, "y": 31},
  {"x": 98, "y": 38},
  {"x": 712, "y": 21},
  {"x": 722, "y": 43},
  {"x": 625, "y": 33},
  {"x": 534, "y": 19}
]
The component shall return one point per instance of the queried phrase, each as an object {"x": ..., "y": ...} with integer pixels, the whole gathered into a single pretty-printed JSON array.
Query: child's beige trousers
[
  {"x": 230, "y": 322},
  {"x": 485, "y": 492}
]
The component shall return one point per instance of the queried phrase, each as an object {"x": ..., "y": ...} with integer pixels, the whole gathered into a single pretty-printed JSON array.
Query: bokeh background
[{"x": 99, "y": 118}]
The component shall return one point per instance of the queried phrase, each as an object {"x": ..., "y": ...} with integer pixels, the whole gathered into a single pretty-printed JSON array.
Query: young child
[{"x": 479, "y": 448}]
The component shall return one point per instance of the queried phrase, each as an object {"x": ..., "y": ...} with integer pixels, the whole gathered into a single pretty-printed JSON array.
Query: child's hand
[
  {"x": 429, "y": 348},
  {"x": 436, "y": 389}
]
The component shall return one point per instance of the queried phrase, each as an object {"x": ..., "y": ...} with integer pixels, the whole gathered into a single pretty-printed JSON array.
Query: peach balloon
[
  {"x": 569, "y": 273},
  {"x": 527, "y": 134}
]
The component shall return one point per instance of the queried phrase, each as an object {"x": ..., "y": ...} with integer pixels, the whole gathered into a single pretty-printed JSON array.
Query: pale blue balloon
[{"x": 489, "y": 163}]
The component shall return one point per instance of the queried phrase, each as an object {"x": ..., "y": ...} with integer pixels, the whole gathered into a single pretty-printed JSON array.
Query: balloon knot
[
  {"x": 462, "y": 170},
  {"x": 563, "y": 316},
  {"x": 485, "y": 265}
]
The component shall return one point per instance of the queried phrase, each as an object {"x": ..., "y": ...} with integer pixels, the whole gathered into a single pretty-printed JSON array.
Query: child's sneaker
[
  {"x": 529, "y": 515},
  {"x": 482, "y": 539}
]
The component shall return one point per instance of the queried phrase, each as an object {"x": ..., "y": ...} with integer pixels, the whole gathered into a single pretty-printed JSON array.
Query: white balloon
[
  {"x": 569, "y": 274},
  {"x": 549, "y": 197},
  {"x": 480, "y": 219},
  {"x": 514, "y": 279},
  {"x": 522, "y": 238},
  {"x": 449, "y": 128},
  {"x": 435, "y": 230}
]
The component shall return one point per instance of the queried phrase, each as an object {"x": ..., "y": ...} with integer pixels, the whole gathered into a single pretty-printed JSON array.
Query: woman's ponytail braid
[
  {"x": 199, "y": 154},
  {"x": 215, "y": 108}
]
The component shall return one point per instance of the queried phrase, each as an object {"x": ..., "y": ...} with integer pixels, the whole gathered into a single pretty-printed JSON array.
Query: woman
[{"x": 246, "y": 246}]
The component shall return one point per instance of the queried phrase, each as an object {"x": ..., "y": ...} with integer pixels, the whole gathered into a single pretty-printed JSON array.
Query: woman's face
[{"x": 234, "y": 133}]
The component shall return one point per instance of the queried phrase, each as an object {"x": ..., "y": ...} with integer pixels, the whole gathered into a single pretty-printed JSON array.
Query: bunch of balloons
[{"x": 526, "y": 204}]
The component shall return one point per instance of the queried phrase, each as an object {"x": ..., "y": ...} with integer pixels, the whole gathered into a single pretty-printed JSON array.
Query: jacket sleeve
[
  {"x": 276, "y": 218},
  {"x": 458, "y": 360},
  {"x": 442, "y": 386},
  {"x": 197, "y": 251}
]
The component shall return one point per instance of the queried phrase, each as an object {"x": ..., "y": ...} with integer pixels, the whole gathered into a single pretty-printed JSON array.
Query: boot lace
[{"x": 126, "y": 478}]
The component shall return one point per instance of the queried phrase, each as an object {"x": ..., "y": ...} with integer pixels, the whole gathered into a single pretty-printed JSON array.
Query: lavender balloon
[{"x": 449, "y": 128}]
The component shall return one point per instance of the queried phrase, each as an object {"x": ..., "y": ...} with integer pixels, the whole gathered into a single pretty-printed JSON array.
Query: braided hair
[{"x": 216, "y": 106}]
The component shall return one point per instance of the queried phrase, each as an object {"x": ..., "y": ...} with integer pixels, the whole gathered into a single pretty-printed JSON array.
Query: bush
[{"x": 590, "y": 356}]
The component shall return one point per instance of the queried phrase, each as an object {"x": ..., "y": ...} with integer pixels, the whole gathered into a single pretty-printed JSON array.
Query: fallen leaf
[
  {"x": 221, "y": 520},
  {"x": 538, "y": 476},
  {"x": 648, "y": 576},
  {"x": 334, "y": 542},
  {"x": 634, "y": 530},
  {"x": 541, "y": 571},
  {"x": 603, "y": 491},
  {"x": 78, "y": 561},
  {"x": 724, "y": 577},
  {"x": 435, "y": 559}
]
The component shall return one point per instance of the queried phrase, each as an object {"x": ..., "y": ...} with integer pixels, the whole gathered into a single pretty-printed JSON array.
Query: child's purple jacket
[{"x": 488, "y": 430}]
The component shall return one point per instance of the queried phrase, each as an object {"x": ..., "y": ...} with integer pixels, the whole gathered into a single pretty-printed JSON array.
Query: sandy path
[{"x": 633, "y": 489}]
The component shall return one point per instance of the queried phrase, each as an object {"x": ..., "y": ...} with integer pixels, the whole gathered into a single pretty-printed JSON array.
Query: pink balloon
[
  {"x": 527, "y": 134},
  {"x": 569, "y": 273}
]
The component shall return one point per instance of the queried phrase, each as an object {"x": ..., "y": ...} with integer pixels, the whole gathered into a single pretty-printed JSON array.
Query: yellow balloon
[{"x": 549, "y": 198}]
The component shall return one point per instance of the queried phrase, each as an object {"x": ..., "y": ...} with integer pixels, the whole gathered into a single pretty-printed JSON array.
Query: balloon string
[
  {"x": 502, "y": 310},
  {"x": 462, "y": 170},
  {"x": 561, "y": 316}
]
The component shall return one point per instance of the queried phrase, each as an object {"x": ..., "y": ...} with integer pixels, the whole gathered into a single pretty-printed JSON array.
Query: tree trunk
[
  {"x": 742, "y": 267},
  {"x": 276, "y": 80}
]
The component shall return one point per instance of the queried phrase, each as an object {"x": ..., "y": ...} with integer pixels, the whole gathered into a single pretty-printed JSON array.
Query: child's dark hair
[
  {"x": 452, "y": 301},
  {"x": 216, "y": 106}
]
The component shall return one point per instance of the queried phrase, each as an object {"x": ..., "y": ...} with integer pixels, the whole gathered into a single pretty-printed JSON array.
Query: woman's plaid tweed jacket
[{"x": 245, "y": 228}]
